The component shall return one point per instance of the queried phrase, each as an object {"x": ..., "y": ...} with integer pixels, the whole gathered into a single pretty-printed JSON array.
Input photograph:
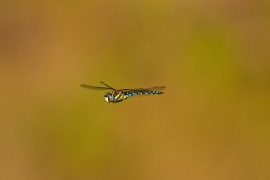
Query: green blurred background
[{"x": 211, "y": 123}]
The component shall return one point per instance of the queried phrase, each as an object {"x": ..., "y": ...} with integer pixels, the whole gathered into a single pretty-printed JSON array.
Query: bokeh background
[{"x": 211, "y": 123}]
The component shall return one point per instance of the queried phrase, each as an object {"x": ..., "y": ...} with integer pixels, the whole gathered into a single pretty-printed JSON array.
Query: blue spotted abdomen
[{"x": 140, "y": 92}]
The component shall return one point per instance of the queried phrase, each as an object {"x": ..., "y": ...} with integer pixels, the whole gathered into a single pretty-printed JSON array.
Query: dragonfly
[{"x": 118, "y": 95}]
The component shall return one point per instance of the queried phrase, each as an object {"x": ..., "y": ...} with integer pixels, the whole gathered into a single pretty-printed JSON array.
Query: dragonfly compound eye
[
  {"x": 109, "y": 97},
  {"x": 106, "y": 98}
]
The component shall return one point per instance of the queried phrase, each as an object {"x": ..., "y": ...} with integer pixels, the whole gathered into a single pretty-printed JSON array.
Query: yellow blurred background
[{"x": 212, "y": 122}]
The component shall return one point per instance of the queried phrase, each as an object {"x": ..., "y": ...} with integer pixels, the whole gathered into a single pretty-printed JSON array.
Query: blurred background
[{"x": 211, "y": 123}]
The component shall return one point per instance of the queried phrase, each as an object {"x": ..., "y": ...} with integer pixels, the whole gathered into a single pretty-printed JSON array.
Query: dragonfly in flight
[{"x": 118, "y": 95}]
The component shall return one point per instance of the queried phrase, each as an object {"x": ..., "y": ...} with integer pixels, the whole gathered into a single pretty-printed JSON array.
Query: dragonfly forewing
[{"x": 95, "y": 87}]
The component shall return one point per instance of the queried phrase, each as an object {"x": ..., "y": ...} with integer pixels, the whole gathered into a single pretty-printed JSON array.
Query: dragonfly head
[{"x": 109, "y": 97}]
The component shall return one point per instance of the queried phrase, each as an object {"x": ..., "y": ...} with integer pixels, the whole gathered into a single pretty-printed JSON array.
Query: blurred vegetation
[{"x": 211, "y": 123}]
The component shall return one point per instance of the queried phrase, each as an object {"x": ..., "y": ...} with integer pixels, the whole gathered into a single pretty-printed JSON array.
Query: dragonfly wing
[
  {"x": 156, "y": 88},
  {"x": 94, "y": 87}
]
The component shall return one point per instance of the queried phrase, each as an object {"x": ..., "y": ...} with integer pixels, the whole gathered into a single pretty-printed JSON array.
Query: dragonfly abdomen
[{"x": 138, "y": 92}]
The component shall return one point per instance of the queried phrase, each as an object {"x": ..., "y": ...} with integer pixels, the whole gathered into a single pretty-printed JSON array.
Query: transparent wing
[
  {"x": 156, "y": 88},
  {"x": 95, "y": 87}
]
